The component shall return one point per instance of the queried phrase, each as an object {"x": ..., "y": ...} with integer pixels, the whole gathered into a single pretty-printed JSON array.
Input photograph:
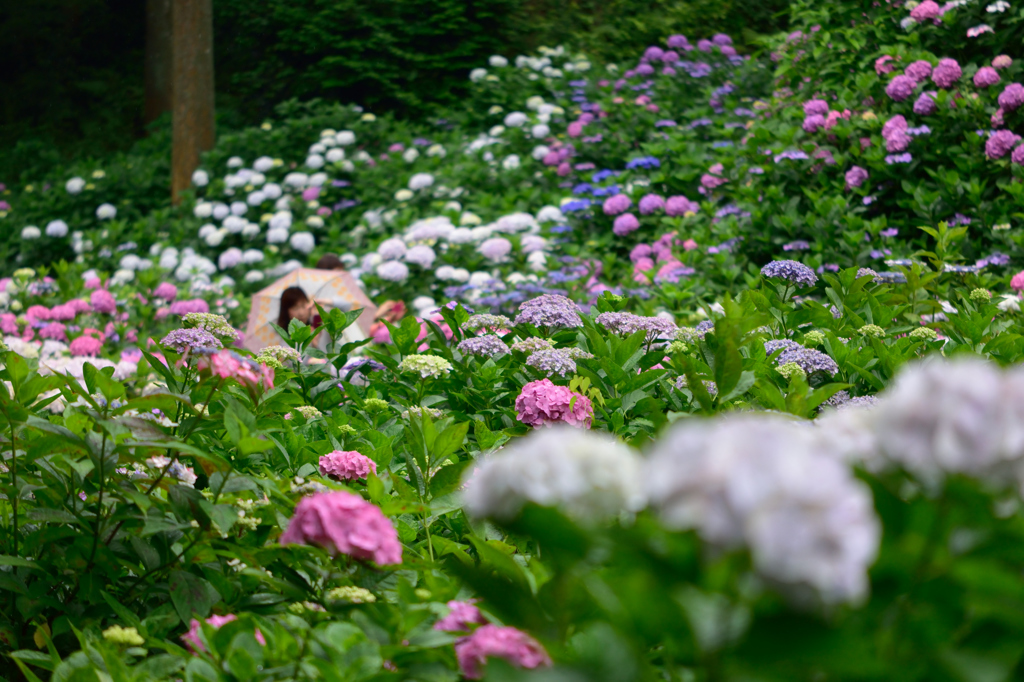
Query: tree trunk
[
  {"x": 192, "y": 89},
  {"x": 159, "y": 33}
]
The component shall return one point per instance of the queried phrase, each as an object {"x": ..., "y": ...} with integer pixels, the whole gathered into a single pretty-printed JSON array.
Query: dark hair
[
  {"x": 290, "y": 297},
  {"x": 329, "y": 262}
]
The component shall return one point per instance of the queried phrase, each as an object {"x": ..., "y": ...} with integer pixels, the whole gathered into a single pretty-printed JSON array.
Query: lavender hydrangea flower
[
  {"x": 651, "y": 203},
  {"x": 919, "y": 70},
  {"x": 900, "y": 88},
  {"x": 553, "y": 361},
  {"x": 186, "y": 340},
  {"x": 855, "y": 177},
  {"x": 773, "y": 345},
  {"x": 549, "y": 310},
  {"x": 1011, "y": 97},
  {"x": 487, "y": 346},
  {"x": 986, "y": 77},
  {"x": 809, "y": 360},
  {"x": 487, "y": 321},
  {"x": 791, "y": 271},
  {"x": 925, "y": 104},
  {"x": 1000, "y": 144},
  {"x": 946, "y": 73}
]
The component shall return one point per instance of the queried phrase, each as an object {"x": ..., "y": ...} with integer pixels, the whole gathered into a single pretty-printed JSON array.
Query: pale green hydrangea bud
[
  {"x": 872, "y": 330},
  {"x": 924, "y": 334},
  {"x": 790, "y": 370},
  {"x": 677, "y": 347},
  {"x": 215, "y": 324},
  {"x": 309, "y": 412},
  {"x": 350, "y": 593},
  {"x": 374, "y": 405},
  {"x": 981, "y": 295},
  {"x": 425, "y": 365},
  {"x": 120, "y": 635},
  {"x": 813, "y": 339}
]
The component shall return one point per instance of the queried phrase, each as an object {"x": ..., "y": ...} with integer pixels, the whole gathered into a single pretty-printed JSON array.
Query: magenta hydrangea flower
[
  {"x": 103, "y": 301},
  {"x": 986, "y": 77},
  {"x": 195, "y": 644},
  {"x": 346, "y": 465},
  {"x": 884, "y": 65},
  {"x": 9, "y": 323},
  {"x": 1000, "y": 143},
  {"x": 855, "y": 177},
  {"x": 925, "y": 104},
  {"x": 1017, "y": 282},
  {"x": 37, "y": 312},
  {"x": 926, "y": 11},
  {"x": 55, "y": 331},
  {"x": 461, "y": 617},
  {"x": 651, "y": 203},
  {"x": 919, "y": 70},
  {"x": 542, "y": 403},
  {"x": 815, "y": 107},
  {"x": 513, "y": 645},
  {"x": 344, "y": 523},
  {"x": 900, "y": 88},
  {"x": 86, "y": 346},
  {"x": 946, "y": 73},
  {"x": 1018, "y": 155},
  {"x": 624, "y": 224},
  {"x": 680, "y": 205},
  {"x": 166, "y": 291},
  {"x": 813, "y": 123},
  {"x": 196, "y": 305},
  {"x": 619, "y": 203},
  {"x": 1011, "y": 97},
  {"x": 63, "y": 312}
]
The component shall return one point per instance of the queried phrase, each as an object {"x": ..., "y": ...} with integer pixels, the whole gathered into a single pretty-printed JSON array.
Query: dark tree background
[{"x": 74, "y": 70}]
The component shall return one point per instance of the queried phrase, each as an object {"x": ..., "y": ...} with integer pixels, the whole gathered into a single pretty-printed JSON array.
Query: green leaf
[
  {"x": 447, "y": 479},
  {"x": 8, "y": 560},
  {"x": 448, "y": 442},
  {"x": 191, "y": 595}
]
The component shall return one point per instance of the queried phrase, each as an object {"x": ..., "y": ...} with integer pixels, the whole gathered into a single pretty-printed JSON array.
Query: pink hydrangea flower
[
  {"x": 575, "y": 129},
  {"x": 93, "y": 283},
  {"x": 9, "y": 323},
  {"x": 1017, "y": 283},
  {"x": 37, "y": 312},
  {"x": 883, "y": 65},
  {"x": 1017, "y": 156},
  {"x": 460, "y": 618},
  {"x": 1011, "y": 97},
  {"x": 196, "y": 305},
  {"x": 229, "y": 365},
  {"x": 986, "y": 77},
  {"x": 513, "y": 645},
  {"x": 541, "y": 403},
  {"x": 102, "y": 301},
  {"x": 86, "y": 346},
  {"x": 195, "y": 644},
  {"x": 811, "y": 125},
  {"x": 689, "y": 245},
  {"x": 55, "y": 331},
  {"x": 344, "y": 523},
  {"x": 346, "y": 465},
  {"x": 1002, "y": 61},
  {"x": 166, "y": 291},
  {"x": 1000, "y": 143},
  {"x": 900, "y": 88},
  {"x": 855, "y": 177},
  {"x": 680, "y": 205},
  {"x": 927, "y": 10},
  {"x": 80, "y": 305},
  {"x": 63, "y": 312}
]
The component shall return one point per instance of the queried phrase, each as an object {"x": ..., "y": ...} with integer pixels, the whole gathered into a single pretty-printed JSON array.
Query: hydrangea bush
[{"x": 682, "y": 391}]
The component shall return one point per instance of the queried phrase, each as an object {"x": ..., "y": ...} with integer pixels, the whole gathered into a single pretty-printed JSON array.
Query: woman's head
[
  {"x": 330, "y": 262},
  {"x": 295, "y": 305}
]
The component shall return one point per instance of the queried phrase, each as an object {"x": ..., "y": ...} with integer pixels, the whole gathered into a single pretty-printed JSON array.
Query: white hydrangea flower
[
  {"x": 391, "y": 249},
  {"x": 130, "y": 262},
  {"x": 393, "y": 271},
  {"x": 540, "y": 151},
  {"x": 403, "y": 195},
  {"x": 317, "y": 148},
  {"x": 460, "y": 275},
  {"x": 250, "y": 230},
  {"x": 335, "y": 155},
  {"x": 510, "y": 162},
  {"x": 421, "y": 181},
  {"x": 74, "y": 185},
  {"x": 200, "y": 178},
  {"x": 239, "y": 208},
  {"x": 421, "y": 255},
  {"x": 31, "y": 232},
  {"x": 221, "y": 211},
  {"x": 436, "y": 150},
  {"x": 272, "y": 191},
  {"x": 303, "y": 242},
  {"x": 423, "y": 305},
  {"x": 591, "y": 476},
  {"x": 297, "y": 180},
  {"x": 263, "y": 164},
  {"x": 477, "y": 75},
  {"x": 250, "y": 256},
  {"x": 495, "y": 131},
  {"x": 345, "y": 138},
  {"x": 57, "y": 229},
  {"x": 540, "y": 131},
  {"x": 550, "y": 214},
  {"x": 254, "y": 276},
  {"x": 277, "y": 235},
  {"x": 411, "y": 154},
  {"x": 763, "y": 482},
  {"x": 204, "y": 209},
  {"x": 215, "y": 238},
  {"x": 497, "y": 61},
  {"x": 106, "y": 211},
  {"x": 235, "y": 162},
  {"x": 315, "y": 221}
]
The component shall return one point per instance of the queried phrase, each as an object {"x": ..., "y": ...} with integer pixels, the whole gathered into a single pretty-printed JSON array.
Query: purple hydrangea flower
[
  {"x": 900, "y": 88},
  {"x": 925, "y": 104},
  {"x": 1011, "y": 97},
  {"x": 815, "y": 107},
  {"x": 680, "y": 205},
  {"x": 624, "y": 224},
  {"x": 617, "y": 204},
  {"x": 791, "y": 271},
  {"x": 809, "y": 360},
  {"x": 487, "y": 346},
  {"x": 986, "y": 77},
  {"x": 559, "y": 361},
  {"x": 774, "y": 345},
  {"x": 946, "y": 73},
  {"x": 855, "y": 177},
  {"x": 549, "y": 310},
  {"x": 185, "y": 340},
  {"x": 813, "y": 123},
  {"x": 1000, "y": 144},
  {"x": 919, "y": 70},
  {"x": 651, "y": 203}
]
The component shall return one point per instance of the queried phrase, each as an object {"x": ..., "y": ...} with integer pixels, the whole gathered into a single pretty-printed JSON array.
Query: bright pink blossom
[
  {"x": 346, "y": 465},
  {"x": 344, "y": 523},
  {"x": 55, "y": 331},
  {"x": 515, "y": 646},
  {"x": 86, "y": 346},
  {"x": 542, "y": 402},
  {"x": 37, "y": 312},
  {"x": 103, "y": 301},
  {"x": 1017, "y": 283},
  {"x": 461, "y": 616},
  {"x": 195, "y": 644},
  {"x": 166, "y": 291}
]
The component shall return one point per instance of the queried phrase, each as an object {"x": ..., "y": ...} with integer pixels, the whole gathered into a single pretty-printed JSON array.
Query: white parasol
[{"x": 330, "y": 288}]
